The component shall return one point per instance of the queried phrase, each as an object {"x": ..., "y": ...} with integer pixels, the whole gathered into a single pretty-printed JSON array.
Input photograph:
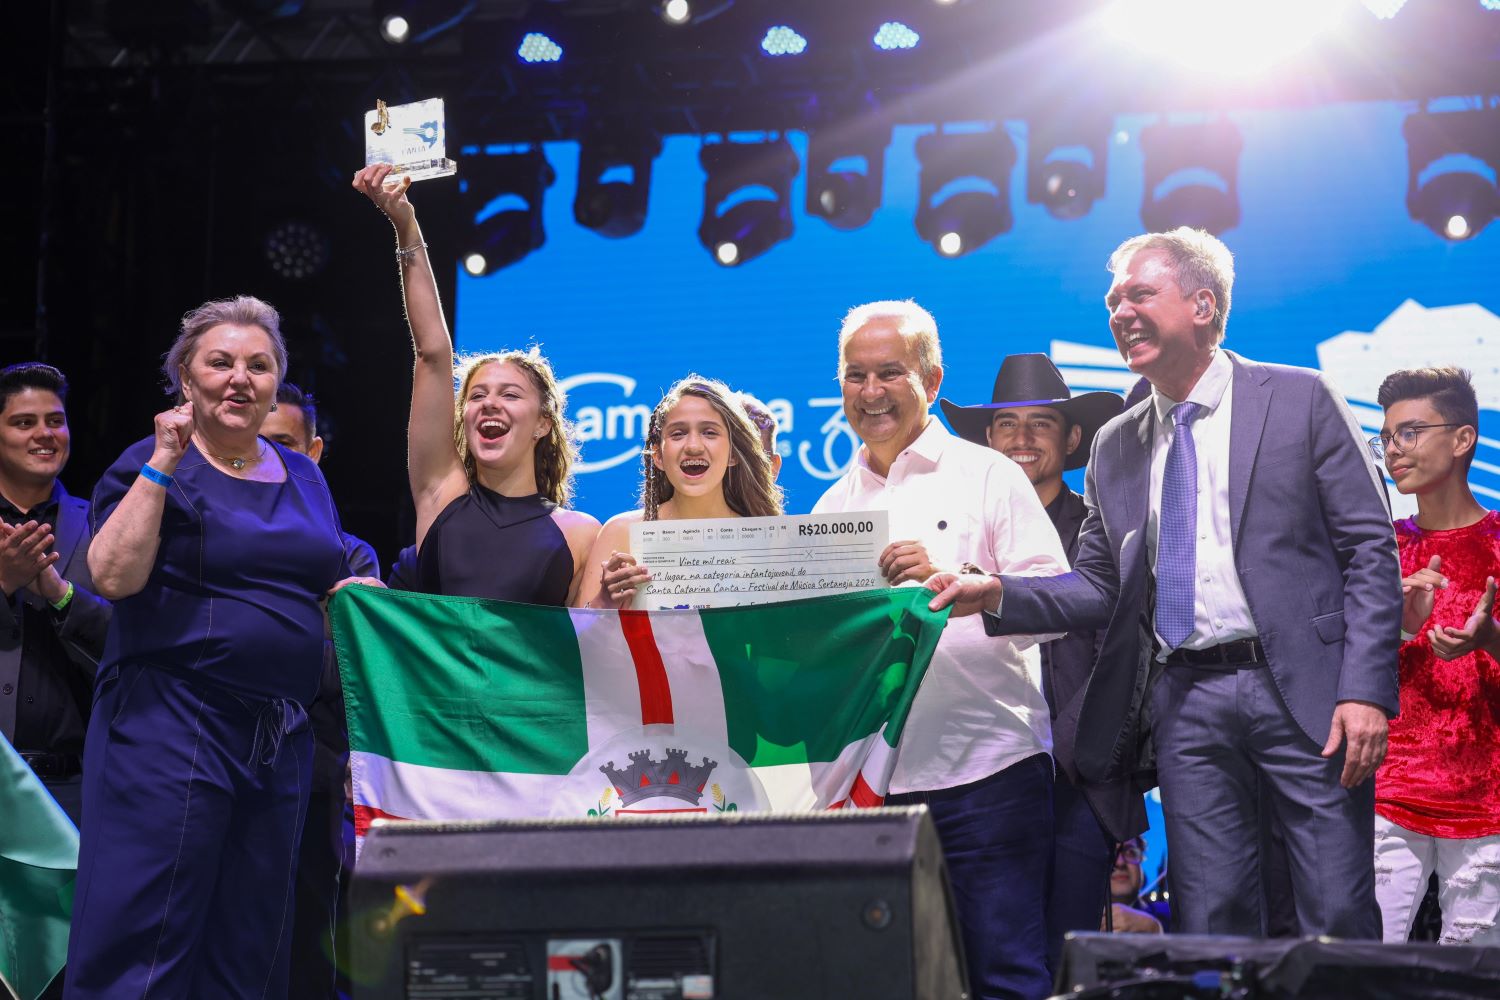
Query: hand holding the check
[
  {"x": 619, "y": 579},
  {"x": 906, "y": 560}
]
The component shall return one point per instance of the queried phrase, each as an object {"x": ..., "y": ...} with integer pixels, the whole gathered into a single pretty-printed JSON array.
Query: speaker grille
[{"x": 668, "y": 957}]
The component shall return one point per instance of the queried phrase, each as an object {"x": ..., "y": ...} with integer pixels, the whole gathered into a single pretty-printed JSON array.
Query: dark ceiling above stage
[
  {"x": 155, "y": 143},
  {"x": 984, "y": 59}
]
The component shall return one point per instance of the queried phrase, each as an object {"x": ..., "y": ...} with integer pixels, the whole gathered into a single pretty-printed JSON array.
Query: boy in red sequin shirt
[{"x": 1437, "y": 796}]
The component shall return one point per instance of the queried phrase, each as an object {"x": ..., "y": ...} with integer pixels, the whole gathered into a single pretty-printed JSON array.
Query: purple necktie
[{"x": 1176, "y": 554}]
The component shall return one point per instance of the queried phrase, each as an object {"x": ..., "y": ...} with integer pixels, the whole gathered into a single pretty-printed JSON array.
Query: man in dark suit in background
[
  {"x": 322, "y": 889},
  {"x": 52, "y": 624},
  {"x": 1239, "y": 555},
  {"x": 1033, "y": 420}
]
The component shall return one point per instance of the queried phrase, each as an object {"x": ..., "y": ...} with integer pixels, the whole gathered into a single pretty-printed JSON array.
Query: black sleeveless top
[{"x": 503, "y": 548}]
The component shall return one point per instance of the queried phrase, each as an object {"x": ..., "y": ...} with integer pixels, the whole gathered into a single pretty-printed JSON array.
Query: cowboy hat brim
[{"x": 1089, "y": 410}]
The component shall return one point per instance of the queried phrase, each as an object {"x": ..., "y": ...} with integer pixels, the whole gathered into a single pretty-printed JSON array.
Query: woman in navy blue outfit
[
  {"x": 490, "y": 466},
  {"x": 216, "y": 546}
]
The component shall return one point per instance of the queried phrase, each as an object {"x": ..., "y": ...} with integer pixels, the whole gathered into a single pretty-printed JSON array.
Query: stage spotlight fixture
[
  {"x": 963, "y": 196},
  {"x": 783, "y": 41},
  {"x": 614, "y": 182},
  {"x": 746, "y": 198},
  {"x": 1066, "y": 166},
  {"x": 536, "y": 47},
  {"x": 1192, "y": 176},
  {"x": 845, "y": 172},
  {"x": 395, "y": 29},
  {"x": 416, "y": 21},
  {"x": 296, "y": 250},
  {"x": 692, "y": 11},
  {"x": 1453, "y": 162},
  {"x": 895, "y": 35},
  {"x": 503, "y": 196}
]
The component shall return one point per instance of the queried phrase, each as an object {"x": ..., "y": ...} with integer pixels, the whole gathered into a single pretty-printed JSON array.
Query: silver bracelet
[{"x": 402, "y": 253}]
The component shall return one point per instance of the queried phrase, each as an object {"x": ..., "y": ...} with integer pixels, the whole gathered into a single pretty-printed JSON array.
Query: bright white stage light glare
[
  {"x": 1457, "y": 227},
  {"x": 950, "y": 245},
  {"x": 1224, "y": 37},
  {"x": 395, "y": 29},
  {"x": 676, "y": 11},
  {"x": 475, "y": 264},
  {"x": 727, "y": 253},
  {"x": 1384, "y": 9},
  {"x": 1490, "y": 4}
]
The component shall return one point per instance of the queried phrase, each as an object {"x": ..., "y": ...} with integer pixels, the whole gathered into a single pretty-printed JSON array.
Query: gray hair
[
  {"x": 242, "y": 310},
  {"x": 915, "y": 325},
  {"x": 1197, "y": 259}
]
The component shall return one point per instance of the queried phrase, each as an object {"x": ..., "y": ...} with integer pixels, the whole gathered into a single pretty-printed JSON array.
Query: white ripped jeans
[{"x": 1468, "y": 874}]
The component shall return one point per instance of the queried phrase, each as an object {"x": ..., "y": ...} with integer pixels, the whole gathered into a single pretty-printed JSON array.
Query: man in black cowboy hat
[{"x": 1037, "y": 423}]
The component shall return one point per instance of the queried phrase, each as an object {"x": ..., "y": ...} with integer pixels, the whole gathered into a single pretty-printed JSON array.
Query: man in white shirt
[
  {"x": 1238, "y": 554},
  {"x": 976, "y": 747}
]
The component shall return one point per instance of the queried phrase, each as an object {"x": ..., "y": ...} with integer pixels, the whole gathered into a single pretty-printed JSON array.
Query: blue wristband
[{"x": 159, "y": 478}]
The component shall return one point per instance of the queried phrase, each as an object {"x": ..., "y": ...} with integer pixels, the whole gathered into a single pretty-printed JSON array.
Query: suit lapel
[
  {"x": 69, "y": 527},
  {"x": 1252, "y": 403},
  {"x": 1135, "y": 460}
]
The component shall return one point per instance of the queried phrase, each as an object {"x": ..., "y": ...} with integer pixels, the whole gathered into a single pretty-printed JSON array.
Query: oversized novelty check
[{"x": 720, "y": 562}]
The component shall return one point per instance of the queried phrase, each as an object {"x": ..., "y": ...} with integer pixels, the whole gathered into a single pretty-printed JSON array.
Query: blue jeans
[
  {"x": 1083, "y": 855},
  {"x": 997, "y": 840}
]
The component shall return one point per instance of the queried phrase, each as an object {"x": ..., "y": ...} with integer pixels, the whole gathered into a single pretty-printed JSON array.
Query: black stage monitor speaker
[
  {"x": 1141, "y": 966},
  {"x": 745, "y": 905}
]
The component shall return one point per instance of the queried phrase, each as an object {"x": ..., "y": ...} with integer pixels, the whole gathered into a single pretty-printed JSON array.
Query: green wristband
[{"x": 66, "y": 597}]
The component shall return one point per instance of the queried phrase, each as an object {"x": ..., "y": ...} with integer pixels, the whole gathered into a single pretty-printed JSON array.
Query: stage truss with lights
[{"x": 617, "y": 76}]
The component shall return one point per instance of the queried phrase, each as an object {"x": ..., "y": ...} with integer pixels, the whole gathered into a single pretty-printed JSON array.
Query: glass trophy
[{"x": 412, "y": 137}]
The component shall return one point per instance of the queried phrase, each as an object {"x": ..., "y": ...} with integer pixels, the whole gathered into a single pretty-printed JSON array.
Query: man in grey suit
[
  {"x": 1239, "y": 556},
  {"x": 52, "y": 625}
]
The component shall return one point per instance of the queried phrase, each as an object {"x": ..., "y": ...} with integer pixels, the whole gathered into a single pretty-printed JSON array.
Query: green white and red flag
[{"x": 461, "y": 708}]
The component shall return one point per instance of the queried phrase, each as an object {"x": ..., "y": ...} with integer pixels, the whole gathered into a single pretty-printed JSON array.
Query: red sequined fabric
[{"x": 1442, "y": 774}]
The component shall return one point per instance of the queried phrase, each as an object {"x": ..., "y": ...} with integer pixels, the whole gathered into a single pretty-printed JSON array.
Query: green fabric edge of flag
[
  {"x": 802, "y": 680},
  {"x": 481, "y": 700}
]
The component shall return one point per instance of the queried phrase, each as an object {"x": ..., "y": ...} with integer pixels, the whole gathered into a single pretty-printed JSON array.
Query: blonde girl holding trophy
[{"x": 490, "y": 464}]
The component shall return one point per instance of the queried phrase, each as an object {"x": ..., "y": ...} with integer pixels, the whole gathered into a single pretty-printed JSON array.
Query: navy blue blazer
[
  {"x": 1067, "y": 664},
  {"x": 1313, "y": 546},
  {"x": 81, "y": 630}
]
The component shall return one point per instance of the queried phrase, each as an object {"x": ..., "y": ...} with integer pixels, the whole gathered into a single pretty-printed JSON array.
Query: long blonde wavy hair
[
  {"x": 749, "y": 488},
  {"x": 555, "y": 452}
]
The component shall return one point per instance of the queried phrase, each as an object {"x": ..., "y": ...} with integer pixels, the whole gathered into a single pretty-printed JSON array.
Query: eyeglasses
[
  {"x": 1129, "y": 853},
  {"x": 1404, "y": 438}
]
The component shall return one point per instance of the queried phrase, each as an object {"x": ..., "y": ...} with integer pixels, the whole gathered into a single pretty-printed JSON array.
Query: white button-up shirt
[
  {"x": 1220, "y": 611},
  {"x": 980, "y": 708}
]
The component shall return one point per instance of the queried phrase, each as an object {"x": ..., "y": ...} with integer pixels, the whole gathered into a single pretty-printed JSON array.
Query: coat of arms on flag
[{"x": 461, "y": 708}]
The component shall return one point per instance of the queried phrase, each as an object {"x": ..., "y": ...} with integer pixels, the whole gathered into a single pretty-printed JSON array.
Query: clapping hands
[
  {"x": 1418, "y": 592},
  {"x": 1478, "y": 632}
]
